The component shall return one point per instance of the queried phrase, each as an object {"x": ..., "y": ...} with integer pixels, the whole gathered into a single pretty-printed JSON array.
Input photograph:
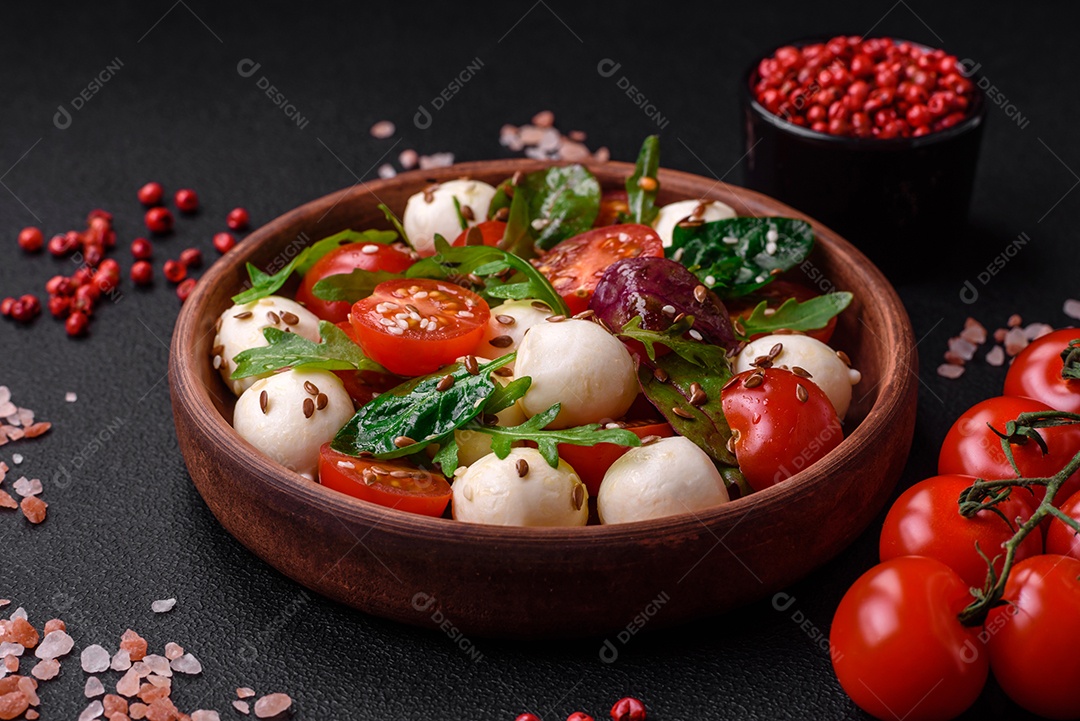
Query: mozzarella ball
[
  {"x": 474, "y": 445},
  {"x": 284, "y": 431},
  {"x": 241, "y": 328},
  {"x": 672, "y": 214},
  {"x": 432, "y": 211},
  {"x": 669, "y": 476},
  {"x": 580, "y": 365},
  {"x": 826, "y": 369},
  {"x": 494, "y": 491},
  {"x": 510, "y": 320}
]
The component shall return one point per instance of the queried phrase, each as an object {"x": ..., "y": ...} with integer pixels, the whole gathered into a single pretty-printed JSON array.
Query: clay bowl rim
[{"x": 213, "y": 428}]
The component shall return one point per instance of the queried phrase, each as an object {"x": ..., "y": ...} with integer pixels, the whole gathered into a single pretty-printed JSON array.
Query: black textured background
[{"x": 125, "y": 525}]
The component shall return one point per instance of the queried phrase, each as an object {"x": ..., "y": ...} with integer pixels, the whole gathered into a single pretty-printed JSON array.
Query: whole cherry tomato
[
  {"x": 1036, "y": 372},
  {"x": 1061, "y": 539}
]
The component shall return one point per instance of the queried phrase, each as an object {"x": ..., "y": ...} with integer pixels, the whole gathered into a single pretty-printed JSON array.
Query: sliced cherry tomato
[
  {"x": 363, "y": 386},
  {"x": 774, "y": 294},
  {"x": 972, "y": 449},
  {"x": 612, "y": 204},
  {"x": 491, "y": 232},
  {"x": 777, "y": 433},
  {"x": 898, "y": 648},
  {"x": 592, "y": 462},
  {"x": 413, "y": 327},
  {"x": 395, "y": 484},
  {"x": 1036, "y": 372},
  {"x": 1061, "y": 539},
  {"x": 925, "y": 521},
  {"x": 367, "y": 256},
  {"x": 1033, "y": 640},
  {"x": 576, "y": 265}
]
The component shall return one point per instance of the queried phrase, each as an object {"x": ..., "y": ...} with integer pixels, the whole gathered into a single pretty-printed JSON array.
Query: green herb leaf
[
  {"x": 731, "y": 255},
  {"x": 547, "y": 441},
  {"x": 505, "y": 396},
  {"x": 264, "y": 284},
  {"x": 643, "y": 202},
  {"x": 460, "y": 216},
  {"x": 352, "y": 286},
  {"x": 518, "y": 236},
  {"x": 418, "y": 411},
  {"x": 337, "y": 352},
  {"x": 394, "y": 221},
  {"x": 447, "y": 457},
  {"x": 703, "y": 355},
  {"x": 793, "y": 315},
  {"x": 562, "y": 201}
]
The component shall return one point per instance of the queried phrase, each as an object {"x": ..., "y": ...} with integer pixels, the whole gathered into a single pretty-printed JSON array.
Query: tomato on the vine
[
  {"x": 775, "y": 294},
  {"x": 395, "y": 484},
  {"x": 491, "y": 232},
  {"x": 592, "y": 462},
  {"x": 366, "y": 256},
  {"x": 576, "y": 265},
  {"x": 416, "y": 326},
  {"x": 899, "y": 649},
  {"x": 925, "y": 521},
  {"x": 1036, "y": 372},
  {"x": 1033, "y": 639},
  {"x": 971, "y": 448},
  {"x": 779, "y": 426},
  {"x": 1061, "y": 539}
]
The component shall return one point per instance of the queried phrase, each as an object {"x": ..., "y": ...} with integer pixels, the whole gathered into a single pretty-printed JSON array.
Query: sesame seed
[
  {"x": 503, "y": 372},
  {"x": 801, "y": 393},
  {"x": 467, "y": 213},
  {"x": 243, "y": 316},
  {"x": 444, "y": 383},
  {"x": 290, "y": 318},
  {"x": 264, "y": 400},
  {"x": 648, "y": 440},
  {"x": 540, "y": 223},
  {"x": 522, "y": 467},
  {"x": 776, "y": 350},
  {"x": 516, "y": 179},
  {"x": 394, "y": 330},
  {"x": 403, "y": 323},
  {"x": 402, "y": 441},
  {"x": 762, "y": 361},
  {"x": 771, "y": 236},
  {"x": 346, "y": 464},
  {"x": 728, "y": 240},
  {"x": 690, "y": 222},
  {"x": 678, "y": 254},
  {"x": 584, "y": 315},
  {"x": 710, "y": 280},
  {"x": 379, "y": 471},
  {"x": 309, "y": 408},
  {"x": 682, "y": 413},
  {"x": 695, "y": 335},
  {"x": 465, "y": 314},
  {"x": 370, "y": 249},
  {"x": 505, "y": 319},
  {"x": 501, "y": 341},
  {"x": 668, "y": 310},
  {"x": 217, "y": 362},
  {"x": 502, "y": 214},
  {"x": 770, "y": 248}
]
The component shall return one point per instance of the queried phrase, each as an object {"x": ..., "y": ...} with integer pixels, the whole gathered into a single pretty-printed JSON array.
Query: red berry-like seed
[
  {"x": 59, "y": 245},
  {"x": 89, "y": 293},
  {"x": 186, "y": 200},
  {"x": 151, "y": 194},
  {"x": 237, "y": 219},
  {"x": 224, "y": 242},
  {"x": 579, "y": 716},
  {"x": 99, "y": 214},
  {"x": 76, "y": 323},
  {"x": 184, "y": 289},
  {"x": 191, "y": 258},
  {"x": 59, "y": 285},
  {"x": 141, "y": 249},
  {"x": 5, "y": 305},
  {"x": 31, "y": 239},
  {"x": 527, "y": 717},
  {"x": 20, "y": 312},
  {"x": 142, "y": 273},
  {"x": 59, "y": 305},
  {"x": 628, "y": 709},
  {"x": 174, "y": 271},
  {"x": 81, "y": 277},
  {"x": 159, "y": 220}
]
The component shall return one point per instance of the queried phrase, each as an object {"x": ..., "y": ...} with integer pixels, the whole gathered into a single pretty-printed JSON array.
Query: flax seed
[
  {"x": 522, "y": 467},
  {"x": 290, "y": 318},
  {"x": 444, "y": 383},
  {"x": 321, "y": 401},
  {"x": 309, "y": 408},
  {"x": 264, "y": 400},
  {"x": 501, "y": 341},
  {"x": 402, "y": 441},
  {"x": 311, "y": 388},
  {"x": 682, "y": 413}
]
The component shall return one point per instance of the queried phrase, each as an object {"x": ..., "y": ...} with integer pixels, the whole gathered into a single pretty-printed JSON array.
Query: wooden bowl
[{"x": 541, "y": 582}]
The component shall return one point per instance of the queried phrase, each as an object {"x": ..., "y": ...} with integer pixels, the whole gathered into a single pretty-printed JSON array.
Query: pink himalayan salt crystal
[
  {"x": 138, "y": 710},
  {"x": 272, "y": 704},
  {"x": 6, "y": 501},
  {"x": 27, "y": 486},
  {"x": 8, "y": 648},
  {"x": 129, "y": 684},
  {"x": 1035, "y": 331},
  {"x": 28, "y": 687},
  {"x": 204, "y": 715},
  {"x": 996, "y": 356},
  {"x": 173, "y": 651},
  {"x": 121, "y": 660},
  {"x": 46, "y": 670},
  {"x": 245, "y": 692},
  {"x": 54, "y": 645},
  {"x": 54, "y": 624},
  {"x": 158, "y": 664},
  {"x": 93, "y": 687},
  {"x": 95, "y": 659},
  {"x": 408, "y": 158},
  {"x": 1015, "y": 341},
  {"x": 34, "y": 509},
  {"x": 962, "y": 347},
  {"x": 162, "y": 709},
  {"x": 93, "y": 711},
  {"x": 187, "y": 664},
  {"x": 134, "y": 644},
  {"x": 114, "y": 704},
  {"x": 140, "y": 669},
  {"x": 11, "y": 663},
  {"x": 163, "y": 605},
  {"x": 1072, "y": 308},
  {"x": 159, "y": 681},
  {"x": 242, "y": 706},
  {"x": 383, "y": 129},
  {"x": 948, "y": 370},
  {"x": 32, "y": 715}
]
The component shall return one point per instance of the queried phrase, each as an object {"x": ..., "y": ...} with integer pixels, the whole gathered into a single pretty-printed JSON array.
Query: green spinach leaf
[{"x": 561, "y": 201}]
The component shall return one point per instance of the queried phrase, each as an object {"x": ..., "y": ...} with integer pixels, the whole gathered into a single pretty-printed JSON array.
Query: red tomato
[
  {"x": 612, "y": 203},
  {"x": 1061, "y": 539},
  {"x": 396, "y": 484},
  {"x": 898, "y": 648},
  {"x": 576, "y": 265},
  {"x": 925, "y": 521},
  {"x": 454, "y": 321},
  {"x": 775, "y": 294},
  {"x": 491, "y": 232},
  {"x": 344, "y": 260},
  {"x": 592, "y": 462},
  {"x": 777, "y": 434},
  {"x": 1033, "y": 640},
  {"x": 972, "y": 449},
  {"x": 1036, "y": 372},
  {"x": 363, "y": 386}
]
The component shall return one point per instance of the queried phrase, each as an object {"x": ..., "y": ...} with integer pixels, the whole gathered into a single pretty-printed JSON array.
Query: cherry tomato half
[
  {"x": 576, "y": 265},
  {"x": 416, "y": 326},
  {"x": 592, "y": 462},
  {"x": 972, "y": 449},
  {"x": 367, "y": 256},
  {"x": 897, "y": 646},
  {"x": 775, "y": 294},
  {"x": 1061, "y": 539},
  {"x": 925, "y": 521},
  {"x": 776, "y": 432},
  {"x": 1036, "y": 372},
  {"x": 612, "y": 203},
  {"x": 491, "y": 232},
  {"x": 388, "y": 483},
  {"x": 1033, "y": 639}
]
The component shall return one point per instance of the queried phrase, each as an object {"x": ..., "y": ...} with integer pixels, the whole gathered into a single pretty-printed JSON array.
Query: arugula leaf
[
  {"x": 504, "y": 396},
  {"x": 394, "y": 221},
  {"x": 518, "y": 235},
  {"x": 418, "y": 411},
  {"x": 793, "y": 315},
  {"x": 643, "y": 202},
  {"x": 731, "y": 255},
  {"x": 337, "y": 352},
  {"x": 447, "y": 456},
  {"x": 264, "y": 284},
  {"x": 547, "y": 441},
  {"x": 704, "y": 355}
]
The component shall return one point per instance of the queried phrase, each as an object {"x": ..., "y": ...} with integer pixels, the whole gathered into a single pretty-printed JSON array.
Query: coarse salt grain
[
  {"x": 204, "y": 715},
  {"x": 134, "y": 644},
  {"x": 948, "y": 370},
  {"x": 386, "y": 171},
  {"x": 408, "y": 159},
  {"x": 95, "y": 659},
  {"x": 7, "y": 648},
  {"x": 1034, "y": 331},
  {"x": 974, "y": 331},
  {"x": 46, "y": 670},
  {"x": 17, "y": 458},
  {"x": 128, "y": 685},
  {"x": 245, "y": 692},
  {"x": 962, "y": 347},
  {"x": 1072, "y": 308},
  {"x": 27, "y": 486},
  {"x": 382, "y": 129},
  {"x": 272, "y": 704},
  {"x": 19, "y": 612},
  {"x": 121, "y": 660},
  {"x": 1015, "y": 340},
  {"x": 6, "y": 501},
  {"x": 93, "y": 687},
  {"x": 71, "y": 396},
  {"x": 158, "y": 664},
  {"x": 187, "y": 664},
  {"x": 93, "y": 711},
  {"x": 55, "y": 645},
  {"x": 173, "y": 650},
  {"x": 163, "y": 605},
  {"x": 996, "y": 356},
  {"x": 242, "y": 706}
]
